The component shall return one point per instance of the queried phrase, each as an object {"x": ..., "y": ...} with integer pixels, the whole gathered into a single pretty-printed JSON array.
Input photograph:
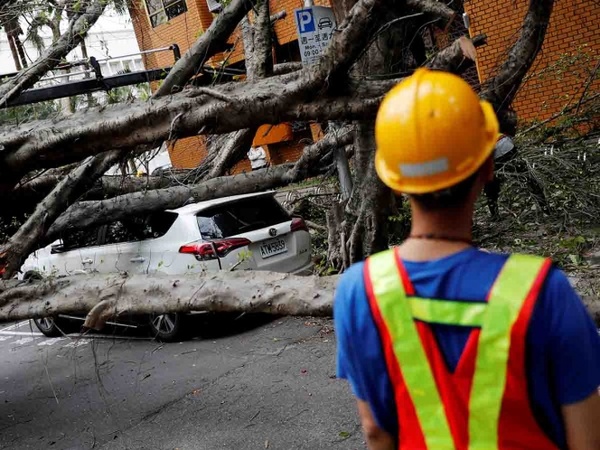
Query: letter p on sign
[{"x": 304, "y": 19}]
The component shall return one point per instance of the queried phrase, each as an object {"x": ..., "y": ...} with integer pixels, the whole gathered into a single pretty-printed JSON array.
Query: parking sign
[
  {"x": 315, "y": 26},
  {"x": 305, "y": 21}
]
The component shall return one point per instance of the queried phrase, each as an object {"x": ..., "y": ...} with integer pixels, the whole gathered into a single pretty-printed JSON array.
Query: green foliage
[
  {"x": 9, "y": 226},
  {"x": 17, "y": 115},
  {"x": 399, "y": 222}
]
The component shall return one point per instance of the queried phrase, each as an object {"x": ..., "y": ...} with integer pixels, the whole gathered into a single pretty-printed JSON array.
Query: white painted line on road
[
  {"x": 74, "y": 336},
  {"x": 20, "y": 333},
  {"x": 77, "y": 343},
  {"x": 50, "y": 341},
  {"x": 25, "y": 340},
  {"x": 14, "y": 326}
]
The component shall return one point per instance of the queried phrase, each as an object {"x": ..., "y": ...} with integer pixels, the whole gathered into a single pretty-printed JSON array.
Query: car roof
[{"x": 194, "y": 208}]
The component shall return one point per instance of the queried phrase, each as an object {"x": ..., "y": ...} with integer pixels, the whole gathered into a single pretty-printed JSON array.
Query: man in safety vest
[{"x": 446, "y": 346}]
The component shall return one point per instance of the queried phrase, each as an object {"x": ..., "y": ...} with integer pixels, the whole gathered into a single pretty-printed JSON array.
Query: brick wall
[
  {"x": 184, "y": 30},
  {"x": 551, "y": 84},
  {"x": 187, "y": 153}
]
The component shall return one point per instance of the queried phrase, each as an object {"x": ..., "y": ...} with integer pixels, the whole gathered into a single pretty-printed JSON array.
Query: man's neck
[{"x": 448, "y": 231}]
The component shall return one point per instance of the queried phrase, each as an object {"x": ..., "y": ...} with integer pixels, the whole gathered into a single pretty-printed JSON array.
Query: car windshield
[{"x": 241, "y": 216}]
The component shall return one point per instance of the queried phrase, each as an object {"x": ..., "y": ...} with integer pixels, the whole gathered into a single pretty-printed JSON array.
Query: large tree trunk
[
  {"x": 358, "y": 227},
  {"x": 362, "y": 228},
  {"x": 108, "y": 297},
  {"x": 72, "y": 186}
]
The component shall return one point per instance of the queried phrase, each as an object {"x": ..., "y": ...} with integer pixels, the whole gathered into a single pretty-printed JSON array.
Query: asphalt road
[{"x": 253, "y": 384}]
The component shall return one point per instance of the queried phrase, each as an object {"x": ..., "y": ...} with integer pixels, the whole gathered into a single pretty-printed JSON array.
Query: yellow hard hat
[{"x": 432, "y": 132}]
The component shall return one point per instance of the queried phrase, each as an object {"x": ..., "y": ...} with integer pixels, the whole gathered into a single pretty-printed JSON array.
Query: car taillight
[
  {"x": 206, "y": 250},
  {"x": 298, "y": 224}
]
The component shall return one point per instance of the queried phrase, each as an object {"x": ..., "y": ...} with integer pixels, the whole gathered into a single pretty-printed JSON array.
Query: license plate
[{"x": 272, "y": 248}]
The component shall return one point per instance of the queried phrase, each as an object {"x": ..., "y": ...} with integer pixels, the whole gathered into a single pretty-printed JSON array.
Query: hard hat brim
[{"x": 392, "y": 178}]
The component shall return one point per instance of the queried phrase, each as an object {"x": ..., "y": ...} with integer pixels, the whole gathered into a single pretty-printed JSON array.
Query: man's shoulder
[{"x": 352, "y": 278}]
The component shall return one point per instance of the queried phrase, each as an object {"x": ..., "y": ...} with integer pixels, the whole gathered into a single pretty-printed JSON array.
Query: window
[
  {"x": 160, "y": 11},
  {"x": 137, "y": 229},
  {"x": 75, "y": 239},
  {"x": 241, "y": 216}
]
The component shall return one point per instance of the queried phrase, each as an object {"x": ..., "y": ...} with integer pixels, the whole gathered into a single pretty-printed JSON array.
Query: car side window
[
  {"x": 158, "y": 224},
  {"x": 139, "y": 228},
  {"x": 121, "y": 231},
  {"x": 75, "y": 239}
]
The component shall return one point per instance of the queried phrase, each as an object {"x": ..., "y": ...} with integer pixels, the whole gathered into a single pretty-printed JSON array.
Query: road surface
[{"x": 255, "y": 384}]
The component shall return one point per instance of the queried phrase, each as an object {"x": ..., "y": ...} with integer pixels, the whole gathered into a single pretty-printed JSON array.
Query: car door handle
[
  {"x": 87, "y": 261},
  {"x": 138, "y": 259}
]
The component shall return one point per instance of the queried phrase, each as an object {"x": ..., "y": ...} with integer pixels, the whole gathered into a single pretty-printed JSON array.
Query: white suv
[{"x": 245, "y": 232}]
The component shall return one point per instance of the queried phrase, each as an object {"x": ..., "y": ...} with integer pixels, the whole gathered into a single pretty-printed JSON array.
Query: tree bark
[
  {"x": 87, "y": 213},
  {"x": 108, "y": 297},
  {"x": 259, "y": 64},
  {"x": 209, "y": 44},
  {"x": 362, "y": 228},
  {"x": 221, "y": 109},
  {"x": 23, "y": 242},
  {"x": 105, "y": 298}
]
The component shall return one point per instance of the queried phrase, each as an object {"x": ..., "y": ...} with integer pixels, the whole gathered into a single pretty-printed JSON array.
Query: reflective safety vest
[{"x": 484, "y": 404}]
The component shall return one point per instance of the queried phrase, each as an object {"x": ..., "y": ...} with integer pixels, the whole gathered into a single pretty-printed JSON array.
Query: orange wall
[
  {"x": 574, "y": 29},
  {"x": 184, "y": 30}
]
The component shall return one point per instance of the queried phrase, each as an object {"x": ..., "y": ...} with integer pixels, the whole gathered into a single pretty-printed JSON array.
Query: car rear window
[{"x": 241, "y": 216}]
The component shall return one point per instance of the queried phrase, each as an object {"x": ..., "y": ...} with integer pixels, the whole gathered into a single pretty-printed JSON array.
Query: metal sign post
[{"x": 315, "y": 26}]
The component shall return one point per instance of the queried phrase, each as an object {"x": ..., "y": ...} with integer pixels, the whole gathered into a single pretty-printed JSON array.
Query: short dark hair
[{"x": 451, "y": 197}]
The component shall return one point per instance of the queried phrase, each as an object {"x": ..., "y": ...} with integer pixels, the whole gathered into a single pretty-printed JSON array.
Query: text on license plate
[{"x": 272, "y": 248}]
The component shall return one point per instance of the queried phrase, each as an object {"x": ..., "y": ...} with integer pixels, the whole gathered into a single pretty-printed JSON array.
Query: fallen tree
[
  {"x": 105, "y": 298},
  {"x": 371, "y": 50}
]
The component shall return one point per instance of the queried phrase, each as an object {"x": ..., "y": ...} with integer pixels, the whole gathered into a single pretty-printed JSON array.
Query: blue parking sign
[{"x": 305, "y": 20}]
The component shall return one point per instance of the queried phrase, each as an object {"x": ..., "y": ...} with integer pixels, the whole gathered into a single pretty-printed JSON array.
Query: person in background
[
  {"x": 257, "y": 157},
  {"x": 446, "y": 346},
  {"x": 506, "y": 152}
]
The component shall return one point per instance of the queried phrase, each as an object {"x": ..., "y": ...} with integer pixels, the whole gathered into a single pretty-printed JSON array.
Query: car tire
[
  {"x": 54, "y": 327},
  {"x": 167, "y": 327}
]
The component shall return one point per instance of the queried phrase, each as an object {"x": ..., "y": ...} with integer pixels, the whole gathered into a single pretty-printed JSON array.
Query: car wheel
[
  {"x": 167, "y": 327},
  {"x": 53, "y": 327}
]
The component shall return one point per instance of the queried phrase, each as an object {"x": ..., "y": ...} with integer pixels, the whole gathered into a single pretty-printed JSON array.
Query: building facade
[
  {"x": 160, "y": 23},
  {"x": 568, "y": 58},
  {"x": 572, "y": 36},
  {"x": 111, "y": 41}
]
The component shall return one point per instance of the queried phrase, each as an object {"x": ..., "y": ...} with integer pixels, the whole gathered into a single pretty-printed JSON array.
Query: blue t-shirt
[{"x": 563, "y": 345}]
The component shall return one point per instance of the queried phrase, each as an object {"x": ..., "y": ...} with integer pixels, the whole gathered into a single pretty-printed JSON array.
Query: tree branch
[
  {"x": 51, "y": 144},
  {"x": 89, "y": 213},
  {"x": 210, "y": 43},
  {"x": 435, "y": 8},
  {"x": 501, "y": 89},
  {"x": 53, "y": 55},
  {"x": 108, "y": 297},
  {"x": 14, "y": 252},
  {"x": 453, "y": 57}
]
